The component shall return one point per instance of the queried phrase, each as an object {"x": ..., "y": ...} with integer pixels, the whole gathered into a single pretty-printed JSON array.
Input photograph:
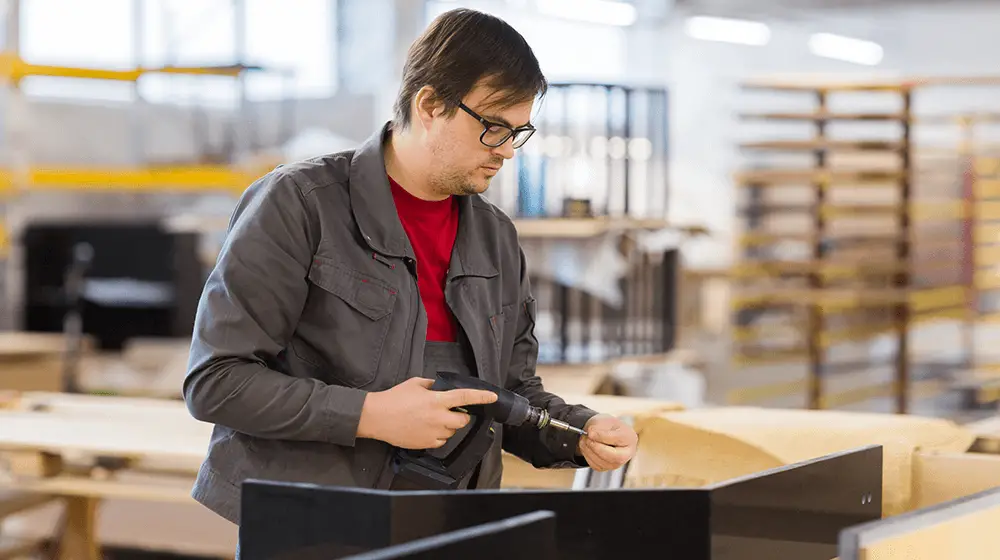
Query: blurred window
[
  {"x": 182, "y": 32},
  {"x": 566, "y": 49}
]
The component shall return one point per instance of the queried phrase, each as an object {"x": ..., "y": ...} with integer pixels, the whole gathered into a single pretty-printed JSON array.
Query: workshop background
[{"x": 768, "y": 204}]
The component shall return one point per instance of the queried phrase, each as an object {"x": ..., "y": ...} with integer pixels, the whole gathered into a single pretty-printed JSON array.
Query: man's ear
[{"x": 427, "y": 106}]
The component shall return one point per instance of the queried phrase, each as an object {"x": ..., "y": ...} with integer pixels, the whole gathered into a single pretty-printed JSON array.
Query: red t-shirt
[{"x": 431, "y": 226}]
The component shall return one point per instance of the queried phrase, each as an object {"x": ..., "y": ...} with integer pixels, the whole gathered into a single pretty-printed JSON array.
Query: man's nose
[{"x": 505, "y": 150}]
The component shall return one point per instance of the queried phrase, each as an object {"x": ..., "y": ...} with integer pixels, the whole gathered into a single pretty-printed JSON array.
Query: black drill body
[{"x": 447, "y": 466}]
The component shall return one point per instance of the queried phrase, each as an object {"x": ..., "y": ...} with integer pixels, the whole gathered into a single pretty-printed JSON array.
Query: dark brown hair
[{"x": 460, "y": 48}]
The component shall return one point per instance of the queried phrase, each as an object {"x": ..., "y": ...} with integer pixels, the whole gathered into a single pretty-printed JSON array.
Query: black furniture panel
[
  {"x": 799, "y": 508},
  {"x": 523, "y": 536},
  {"x": 796, "y": 512}
]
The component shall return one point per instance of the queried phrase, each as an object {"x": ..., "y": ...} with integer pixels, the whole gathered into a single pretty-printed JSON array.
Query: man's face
[{"x": 461, "y": 164}]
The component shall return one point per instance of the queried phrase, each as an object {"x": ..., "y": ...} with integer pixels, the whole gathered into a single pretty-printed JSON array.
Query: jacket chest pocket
[{"x": 345, "y": 323}]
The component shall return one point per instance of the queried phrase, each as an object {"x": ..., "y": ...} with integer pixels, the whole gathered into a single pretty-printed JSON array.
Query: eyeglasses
[{"x": 495, "y": 134}]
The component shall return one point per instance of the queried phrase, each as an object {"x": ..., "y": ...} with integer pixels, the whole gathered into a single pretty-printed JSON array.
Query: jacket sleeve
[
  {"x": 548, "y": 448},
  {"x": 246, "y": 315}
]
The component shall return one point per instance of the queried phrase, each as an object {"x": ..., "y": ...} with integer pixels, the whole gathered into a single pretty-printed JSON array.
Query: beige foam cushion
[{"x": 704, "y": 446}]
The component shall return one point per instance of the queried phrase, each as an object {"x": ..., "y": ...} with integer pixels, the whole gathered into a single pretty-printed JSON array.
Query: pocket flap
[{"x": 367, "y": 294}]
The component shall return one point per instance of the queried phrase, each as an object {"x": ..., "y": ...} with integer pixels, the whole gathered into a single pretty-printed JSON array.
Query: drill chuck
[{"x": 540, "y": 418}]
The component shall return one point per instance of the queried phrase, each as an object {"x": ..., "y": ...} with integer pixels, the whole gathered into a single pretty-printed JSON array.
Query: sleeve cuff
[
  {"x": 563, "y": 444},
  {"x": 343, "y": 414}
]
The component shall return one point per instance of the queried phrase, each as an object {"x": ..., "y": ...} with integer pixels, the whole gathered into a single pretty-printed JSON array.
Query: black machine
[
  {"x": 446, "y": 466},
  {"x": 797, "y": 511},
  {"x": 111, "y": 281}
]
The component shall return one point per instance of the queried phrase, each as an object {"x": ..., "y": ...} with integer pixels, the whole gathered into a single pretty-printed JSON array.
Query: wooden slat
[
  {"x": 987, "y": 210},
  {"x": 940, "y": 477},
  {"x": 988, "y": 255},
  {"x": 826, "y": 85},
  {"x": 986, "y": 233},
  {"x": 173, "y": 491},
  {"x": 988, "y": 279},
  {"x": 582, "y": 227},
  {"x": 894, "y": 86},
  {"x": 827, "y": 270},
  {"x": 41, "y": 432},
  {"x": 825, "y": 145},
  {"x": 853, "y": 177},
  {"x": 840, "y": 298},
  {"x": 971, "y": 535},
  {"x": 769, "y": 357},
  {"x": 918, "y": 390},
  {"x": 987, "y": 188},
  {"x": 12, "y": 503},
  {"x": 924, "y": 211},
  {"x": 824, "y": 116},
  {"x": 987, "y": 166},
  {"x": 19, "y": 549}
]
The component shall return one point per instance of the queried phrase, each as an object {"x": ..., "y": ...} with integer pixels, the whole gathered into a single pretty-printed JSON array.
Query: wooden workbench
[{"x": 85, "y": 449}]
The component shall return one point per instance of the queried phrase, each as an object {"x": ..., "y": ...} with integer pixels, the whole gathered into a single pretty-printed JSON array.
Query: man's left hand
[{"x": 609, "y": 443}]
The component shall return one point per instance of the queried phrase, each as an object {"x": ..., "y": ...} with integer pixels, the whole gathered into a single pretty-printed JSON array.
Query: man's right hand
[{"x": 412, "y": 416}]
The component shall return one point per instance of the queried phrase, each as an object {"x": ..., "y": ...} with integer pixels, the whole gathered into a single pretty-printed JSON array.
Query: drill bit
[{"x": 564, "y": 426}]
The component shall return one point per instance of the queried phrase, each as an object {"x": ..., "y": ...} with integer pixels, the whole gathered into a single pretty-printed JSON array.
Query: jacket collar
[{"x": 375, "y": 213}]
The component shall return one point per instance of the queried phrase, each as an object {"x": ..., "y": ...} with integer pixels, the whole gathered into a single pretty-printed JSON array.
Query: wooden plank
[
  {"x": 986, "y": 233},
  {"x": 797, "y": 84},
  {"x": 849, "y": 177},
  {"x": 940, "y": 477},
  {"x": 987, "y": 166},
  {"x": 987, "y": 188},
  {"x": 724, "y": 442},
  {"x": 814, "y": 116},
  {"x": 827, "y": 269},
  {"x": 987, "y": 432},
  {"x": 987, "y": 210},
  {"x": 759, "y": 238},
  {"x": 12, "y": 503},
  {"x": 165, "y": 490},
  {"x": 988, "y": 255},
  {"x": 831, "y": 299},
  {"x": 19, "y": 549},
  {"x": 801, "y": 85},
  {"x": 582, "y": 228},
  {"x": 20, "y": 431},
  {"x": 825, "y": 145},
  {"x": 988, "y": 279},
  {"x": 959, "y": 530}
]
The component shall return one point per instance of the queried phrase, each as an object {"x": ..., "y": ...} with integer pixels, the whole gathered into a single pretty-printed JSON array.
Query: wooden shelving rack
[
  {"x": 981, "y": 381},
  {"x": 844, "y": 248}
]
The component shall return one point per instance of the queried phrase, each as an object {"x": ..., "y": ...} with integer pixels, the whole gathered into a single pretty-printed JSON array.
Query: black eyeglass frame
[{"x": 511, "y": 132}]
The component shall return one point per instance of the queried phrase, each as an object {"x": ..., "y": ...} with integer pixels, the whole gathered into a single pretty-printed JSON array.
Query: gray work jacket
[{"x": 313, "y": 302}]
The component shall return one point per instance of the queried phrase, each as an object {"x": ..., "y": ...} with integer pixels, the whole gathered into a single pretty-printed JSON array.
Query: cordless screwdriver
[{"x": 510, "y": 408}]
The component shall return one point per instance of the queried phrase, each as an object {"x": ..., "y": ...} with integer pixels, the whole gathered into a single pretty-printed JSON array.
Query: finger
[
  {"x": 456, "y": 420},
  {"x": 614, "y": 436},
  {"x": 466, "y": 397},
  {"x": 594, "y": 460},
  {"x": 421, "y": 381},
  {"x": 609, "y": 455},
  {"x": 439, "y": 442}
]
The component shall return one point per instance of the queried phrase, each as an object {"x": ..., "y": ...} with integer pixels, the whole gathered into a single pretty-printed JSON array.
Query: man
[{"x": 347, "y": 282}]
